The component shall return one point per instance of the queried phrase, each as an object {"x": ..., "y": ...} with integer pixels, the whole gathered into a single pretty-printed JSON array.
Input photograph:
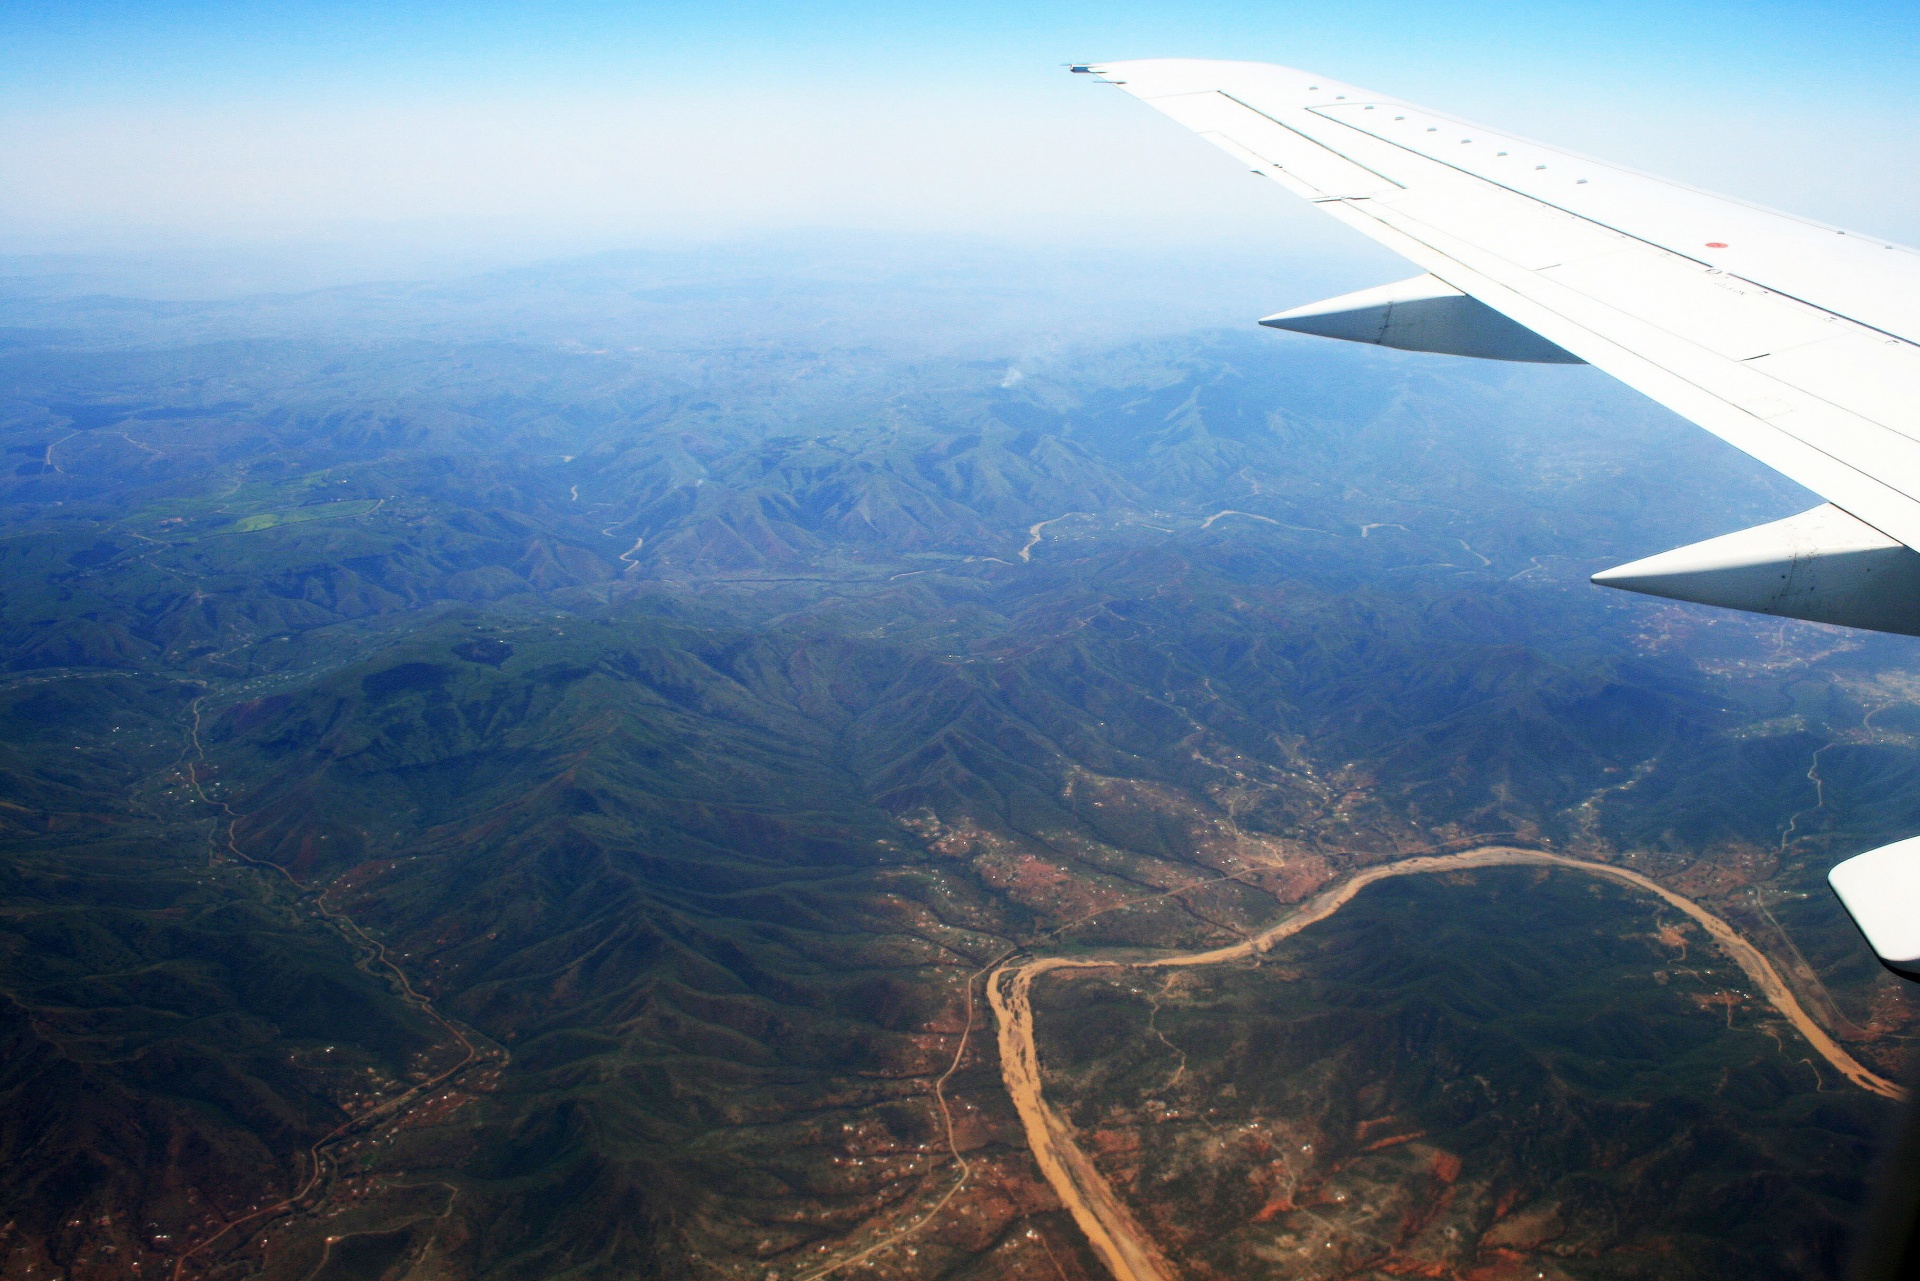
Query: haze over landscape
[{"x": 788, "y": 689}]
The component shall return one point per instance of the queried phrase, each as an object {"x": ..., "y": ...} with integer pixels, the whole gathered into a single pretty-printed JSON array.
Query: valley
[
  {"x": 1114, "y": 1231},
  {"x": 483, "y": 801}
]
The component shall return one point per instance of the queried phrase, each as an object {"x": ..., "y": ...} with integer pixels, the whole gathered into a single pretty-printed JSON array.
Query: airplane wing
[
  {"x": 1796, "y": 342},
  {"x": 1793, "y": 341}
]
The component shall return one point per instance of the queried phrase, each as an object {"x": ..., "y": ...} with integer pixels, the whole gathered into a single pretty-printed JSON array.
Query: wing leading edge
[{"x": 1796, "y": 342}]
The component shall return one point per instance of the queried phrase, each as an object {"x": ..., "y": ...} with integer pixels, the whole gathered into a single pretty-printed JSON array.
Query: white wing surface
[{"x": 1794, "y": 341}]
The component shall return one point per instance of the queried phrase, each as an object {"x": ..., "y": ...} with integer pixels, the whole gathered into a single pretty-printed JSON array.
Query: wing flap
[
  {"x": 1727, "y": 316},
  {"x": 1864, "y": 279},
  {"x": 1878, "y": 377},
  {"x": 1245, "y": 133},
  {"x": 1859, "y": 465}
]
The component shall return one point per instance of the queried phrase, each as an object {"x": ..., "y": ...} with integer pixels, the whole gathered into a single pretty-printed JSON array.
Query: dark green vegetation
[
  {"x": 688, "y": 719},
  {"x": 1503, "y": 1073}
]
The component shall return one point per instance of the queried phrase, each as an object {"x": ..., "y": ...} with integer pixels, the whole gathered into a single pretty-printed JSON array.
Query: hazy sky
[{"x": 128, "y": 124}]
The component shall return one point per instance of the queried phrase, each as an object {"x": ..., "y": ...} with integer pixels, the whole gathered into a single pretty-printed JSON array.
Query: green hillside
[{"x": 557, "y": 839}]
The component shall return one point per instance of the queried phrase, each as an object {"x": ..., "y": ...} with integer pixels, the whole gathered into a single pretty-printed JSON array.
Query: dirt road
[
  {"x": 374, "y": 960},
  {"x": 1116, "y": 1236}
]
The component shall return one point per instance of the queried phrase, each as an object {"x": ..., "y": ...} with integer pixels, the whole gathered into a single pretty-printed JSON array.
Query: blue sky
[
  {"x": 600, "y": 124},
  {"x": 79, "y": 51}
]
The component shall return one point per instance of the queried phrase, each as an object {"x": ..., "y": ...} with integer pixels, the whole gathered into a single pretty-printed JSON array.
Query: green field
[{"x": 295, "y": 515}]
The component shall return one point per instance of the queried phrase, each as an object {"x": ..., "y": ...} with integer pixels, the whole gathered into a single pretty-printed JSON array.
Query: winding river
[{"x": 1127, "y": 1249}]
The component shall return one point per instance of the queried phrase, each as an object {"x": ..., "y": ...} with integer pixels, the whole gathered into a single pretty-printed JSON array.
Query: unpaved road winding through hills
[{"x": 1116, "y": 1236}]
